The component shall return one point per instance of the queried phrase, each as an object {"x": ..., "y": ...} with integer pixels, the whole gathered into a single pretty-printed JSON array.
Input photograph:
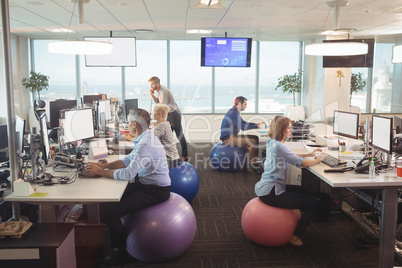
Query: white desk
[
  {"x": 91, "y": 191},
  {"x": 387, "y": 182}
]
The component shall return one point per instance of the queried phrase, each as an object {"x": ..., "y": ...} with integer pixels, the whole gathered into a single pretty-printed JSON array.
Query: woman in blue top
[{"x": 272, "y": 188}]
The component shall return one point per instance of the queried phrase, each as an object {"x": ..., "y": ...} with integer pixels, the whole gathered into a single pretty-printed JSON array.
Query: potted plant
[
  {"x": 356, "y": 84},
  {"x": 36, "y": 82},
  {"x": 292, "y": 84}
]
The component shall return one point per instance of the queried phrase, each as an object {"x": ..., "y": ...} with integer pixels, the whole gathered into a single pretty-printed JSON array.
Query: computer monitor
[
  {"x": 346, "y": 124},
  {"x": 56, "y": 106},
  {"x": 77, "y": 125},
  {"x": 104, "y": 113},
  {"x": 398, "y": 124},
  {"x": 44, "y": 138},
  {"x": 130, "y": 104},
  {"x": 20, "y": 130},
  {"x": 89, "y": 99},
  {"x": 3, "y": 144},
  {"x": 381, "y": 133}
]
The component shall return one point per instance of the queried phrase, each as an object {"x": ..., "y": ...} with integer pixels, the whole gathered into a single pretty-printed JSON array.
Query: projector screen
[{"x": 123, "y": 53}]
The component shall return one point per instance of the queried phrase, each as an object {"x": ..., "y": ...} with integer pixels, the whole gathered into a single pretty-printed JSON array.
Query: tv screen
[
  {"x": 123, "y": 53},
  {"x": 350, "y": 61},
  {"x": 225, "y": 52}
]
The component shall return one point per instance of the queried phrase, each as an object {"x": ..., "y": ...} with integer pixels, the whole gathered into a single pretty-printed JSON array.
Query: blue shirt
[
  {"x": 148, "y": 160},
  {"x": 278, "y": 158},
  {"x": 232, "y": 123}
]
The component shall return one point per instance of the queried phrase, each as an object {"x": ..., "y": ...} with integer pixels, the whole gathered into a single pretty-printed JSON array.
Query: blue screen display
[{"x": 225, "y": 52}]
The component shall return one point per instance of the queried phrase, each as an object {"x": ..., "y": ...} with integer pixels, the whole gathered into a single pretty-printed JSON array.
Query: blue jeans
[{"x": 296, "y": 197}]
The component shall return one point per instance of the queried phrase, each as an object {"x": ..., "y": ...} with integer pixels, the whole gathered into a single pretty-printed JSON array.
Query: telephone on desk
[
  {"x": 364, "y": 164},
  {"x": 65, "y": 160}
]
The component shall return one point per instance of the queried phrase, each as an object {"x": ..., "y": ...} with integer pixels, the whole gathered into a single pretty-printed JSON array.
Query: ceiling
[{"x": 273, "y": 20}]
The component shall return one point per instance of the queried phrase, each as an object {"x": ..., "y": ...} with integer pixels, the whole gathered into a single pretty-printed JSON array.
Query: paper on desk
[{"x": 38, "y": 194}]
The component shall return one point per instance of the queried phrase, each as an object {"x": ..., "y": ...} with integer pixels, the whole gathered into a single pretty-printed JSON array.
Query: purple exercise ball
[{"x": 162, "y": 232}]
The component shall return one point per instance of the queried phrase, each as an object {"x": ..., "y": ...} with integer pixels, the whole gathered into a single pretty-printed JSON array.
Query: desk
[
  {"x": 91, "y": 191},
  {"x": 387, "y": 182}
]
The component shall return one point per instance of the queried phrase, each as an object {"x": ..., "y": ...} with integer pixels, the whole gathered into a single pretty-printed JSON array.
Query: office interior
[{"x": 166, "y": 47}]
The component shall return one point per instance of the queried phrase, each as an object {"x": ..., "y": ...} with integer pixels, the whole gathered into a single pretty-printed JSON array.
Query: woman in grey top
[{"x": 163, "y": 131}]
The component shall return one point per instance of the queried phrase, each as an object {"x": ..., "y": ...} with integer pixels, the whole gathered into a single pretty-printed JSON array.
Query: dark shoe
[{"x": 116, "y": 256}]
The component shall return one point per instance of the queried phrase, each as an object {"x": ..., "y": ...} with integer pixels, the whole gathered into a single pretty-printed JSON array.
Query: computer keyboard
[
  {"x": 330, "y": 161},
  {"x": 82, "y": 172}
]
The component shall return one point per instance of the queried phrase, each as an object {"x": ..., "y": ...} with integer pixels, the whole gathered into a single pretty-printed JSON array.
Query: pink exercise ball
[{"x": 267, "y": 225}]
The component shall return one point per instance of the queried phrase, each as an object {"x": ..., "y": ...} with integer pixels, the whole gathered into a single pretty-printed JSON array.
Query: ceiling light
[
  {"x": 199, "y": 31},
  {"x": 336, "y": 49},
  {"x": 62, "y": 30},
  {"x": 143, "y": 31},
  {"x": 80, "y": 47},
  {"x": 397, "y": 54},
  {"x": 209, "y": 2}
]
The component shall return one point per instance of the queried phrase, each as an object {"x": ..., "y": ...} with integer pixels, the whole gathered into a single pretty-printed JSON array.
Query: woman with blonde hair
[
  {"x": 163, "y": 131},
  {"x": 272, "y": 189}
]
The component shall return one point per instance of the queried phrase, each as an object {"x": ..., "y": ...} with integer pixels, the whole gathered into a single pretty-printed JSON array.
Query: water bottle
[{"x": 372, "y": 168}]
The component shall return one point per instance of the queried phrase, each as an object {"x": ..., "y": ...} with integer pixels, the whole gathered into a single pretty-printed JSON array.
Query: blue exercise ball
[
  {"x": 229, "y": 158},
  {"x": 185, "y": 180},
  {"x": 161, "y": 232}
]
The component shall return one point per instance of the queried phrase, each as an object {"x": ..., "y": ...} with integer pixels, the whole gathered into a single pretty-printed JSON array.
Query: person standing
[
  {"x": 174, "y": 116},
  {"x": 231, "y": 125},
  {"x": 147, "y": 171}
]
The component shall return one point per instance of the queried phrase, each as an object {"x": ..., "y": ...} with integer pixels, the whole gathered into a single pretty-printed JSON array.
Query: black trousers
[
  {"x": 174, "y": 118},
  {"x": 136, "y": 197},
  {"x": 297, "y": 197}
]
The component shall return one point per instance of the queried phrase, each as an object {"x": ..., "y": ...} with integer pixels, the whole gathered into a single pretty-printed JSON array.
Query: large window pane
[
  {"x": 231, "y": 82},
  {"x": 190, "y": 83},
  {"x": 100, "y": 80},
  {"x": 151, "y": 61},
  {"x": 276, "y": 59},
  {"x": 59, "y": 67},
  {"x": 359, "y": 98}
]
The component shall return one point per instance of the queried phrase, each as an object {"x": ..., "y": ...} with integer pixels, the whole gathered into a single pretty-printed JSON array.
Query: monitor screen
[
  {"x": 4, "y": 137},
  {"x": 225, "y": 52},
  {"x": 130, "y": 104},
  {"x": 20, "y": 129},
  {"x": 123, "y": 53},
  {"x": 346, "y": 124},
  {"x": 56, "y": 106},
  {"x": 77, "y": 125},
  {"x": 398, "y": 124},
  {"x": 365, "y": 60},
  {"x": 381, "y": 133},
  {"x": 89, "y": 99},
  {"x": 103, "y": 113},
  {"x": 44, "y": 138}
]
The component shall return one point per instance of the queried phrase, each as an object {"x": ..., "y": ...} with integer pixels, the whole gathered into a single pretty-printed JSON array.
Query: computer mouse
[{"x": 102, "y": 161}]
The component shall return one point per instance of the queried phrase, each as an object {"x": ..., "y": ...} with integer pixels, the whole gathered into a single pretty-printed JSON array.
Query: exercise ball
[
  {"x": 161, "y": 232},
  {"x": 267, "y": 225},
  {"x": 184, "y": 180},
  {"x": 229, "y": 158}
]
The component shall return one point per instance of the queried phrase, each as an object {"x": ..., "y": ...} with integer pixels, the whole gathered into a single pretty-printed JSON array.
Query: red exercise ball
[{"x": 267, "y": 225}]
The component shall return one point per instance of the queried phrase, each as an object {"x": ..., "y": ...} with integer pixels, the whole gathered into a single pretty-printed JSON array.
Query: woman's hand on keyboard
[
  {"x": 321, "y": 156},
  {"x": 316, "y": 152}
]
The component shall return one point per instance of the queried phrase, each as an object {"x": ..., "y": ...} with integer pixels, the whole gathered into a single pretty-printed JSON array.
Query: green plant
[
  {"x": 356, "y": 84},
  {"x": 291, "y": 84},
  {"x": 36, "y": 82}
]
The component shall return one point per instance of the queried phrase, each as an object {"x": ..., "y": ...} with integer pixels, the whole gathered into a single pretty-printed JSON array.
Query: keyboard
[
  {"x": 86, "y": 174},
  {"x": 331, "y": 161}
]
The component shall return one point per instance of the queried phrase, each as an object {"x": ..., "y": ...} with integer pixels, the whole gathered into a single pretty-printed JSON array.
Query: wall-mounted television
[
  {"x": 357, "y": 61},
  {"x": 123, "y": 53},
  {"x": 225, "y": 52}
]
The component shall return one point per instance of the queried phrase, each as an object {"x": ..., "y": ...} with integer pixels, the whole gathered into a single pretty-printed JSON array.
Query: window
[
  {"x": 359, "y": 98},
  {"x": 231, "y": 82},
  {"x": 190, "y": 83},
  {"x": 59, "y": 67},
  {"x": 151, "y": 61},
  {"x": 276, "y": 59}
]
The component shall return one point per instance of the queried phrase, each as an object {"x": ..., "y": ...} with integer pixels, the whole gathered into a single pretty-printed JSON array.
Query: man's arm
[{"x": 151, "y": 92}]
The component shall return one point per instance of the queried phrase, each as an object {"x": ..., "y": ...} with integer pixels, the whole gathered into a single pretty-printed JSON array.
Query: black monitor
[
  {"x": 20, "y": 130},
  {"x": 130, "y": 104},
  {"x": 56, "y": 106},
  {"x": 89, "y": 99},
  {"x": 77, "y": 125},
  {"x": 398, "y": 124},
  {"x": 225, "y": 52},
  {"x": 3, "y": 144},
  {"x": 381, "y": 133},
  {"x": 45, "y": 145},
  {"x": 346, "y": 124}
]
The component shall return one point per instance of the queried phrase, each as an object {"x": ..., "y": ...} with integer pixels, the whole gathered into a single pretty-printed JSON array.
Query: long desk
[
  {"x": 91, "y": 191},
  {"x": 387, "y": 182}
]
